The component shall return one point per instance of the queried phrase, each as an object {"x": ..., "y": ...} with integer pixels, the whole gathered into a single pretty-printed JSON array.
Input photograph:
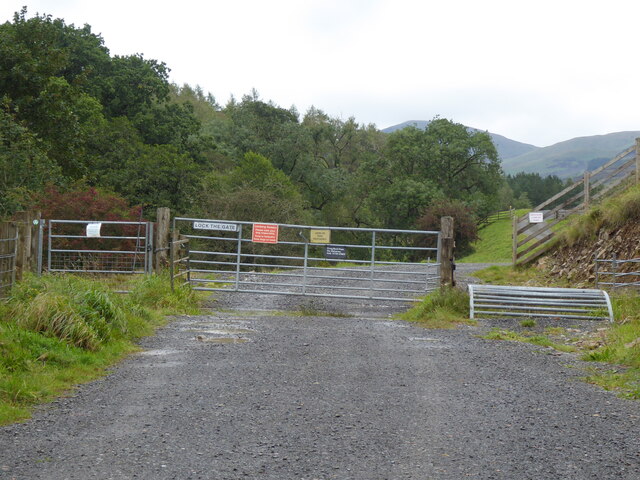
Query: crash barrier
[{"x": 508, "y": 301}]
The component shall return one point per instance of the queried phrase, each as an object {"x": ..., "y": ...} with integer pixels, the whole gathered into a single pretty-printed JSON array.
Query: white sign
[
  {"x": 93, "y": 229},
  {"x": 226, "y": 227},
  {"x": 536, "y": 217}
]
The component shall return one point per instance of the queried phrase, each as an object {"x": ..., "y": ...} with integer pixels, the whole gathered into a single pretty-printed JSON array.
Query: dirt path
[{"x": 258, "y": 391}]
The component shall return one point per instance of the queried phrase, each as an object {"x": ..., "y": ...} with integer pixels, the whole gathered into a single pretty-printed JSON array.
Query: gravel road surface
[{"x": 253, "y": 389}]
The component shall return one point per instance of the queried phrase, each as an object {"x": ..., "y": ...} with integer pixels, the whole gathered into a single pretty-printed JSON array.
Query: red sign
[{"x": 265, "y": 233}]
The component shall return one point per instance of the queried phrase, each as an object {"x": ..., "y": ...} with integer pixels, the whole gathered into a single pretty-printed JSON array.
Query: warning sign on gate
[{"x": 264, "y": 233}]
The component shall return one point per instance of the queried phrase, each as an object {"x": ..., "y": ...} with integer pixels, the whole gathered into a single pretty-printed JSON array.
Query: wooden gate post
[
  {"x": 27, "y": 256},
  {"x": 446, "y": 254},
  {"x": 163, "y": 219}
]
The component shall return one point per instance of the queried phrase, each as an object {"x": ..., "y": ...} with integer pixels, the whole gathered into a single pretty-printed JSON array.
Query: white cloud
[{"x": 537, "y": 72}]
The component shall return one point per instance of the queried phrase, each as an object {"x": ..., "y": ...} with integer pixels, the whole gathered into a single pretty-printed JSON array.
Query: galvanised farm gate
[{"x": 359, "y": 263}]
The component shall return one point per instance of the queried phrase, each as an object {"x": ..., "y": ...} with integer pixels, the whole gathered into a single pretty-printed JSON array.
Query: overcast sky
[{"x": 537, "y": 72}]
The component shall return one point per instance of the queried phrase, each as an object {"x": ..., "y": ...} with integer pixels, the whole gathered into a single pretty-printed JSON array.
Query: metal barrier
[
  {"x": 507, "y": 301},
  {"x": 286, "y": 259},
  {"x": 630, "y": 278},
  {"x": 8, "y": 255},
  {"x": 106, "y": 247}
]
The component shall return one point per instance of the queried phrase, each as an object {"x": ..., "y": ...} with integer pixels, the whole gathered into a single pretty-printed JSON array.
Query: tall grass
[
  {"x": 444, "y": 308},
  {"x": 57, "y": 331}
]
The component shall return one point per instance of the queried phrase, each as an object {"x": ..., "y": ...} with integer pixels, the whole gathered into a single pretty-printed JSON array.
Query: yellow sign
[{"x": 320, "y": 236}]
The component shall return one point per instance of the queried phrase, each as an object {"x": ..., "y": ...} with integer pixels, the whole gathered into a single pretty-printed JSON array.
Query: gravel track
[{"x": 255, "y": 390}]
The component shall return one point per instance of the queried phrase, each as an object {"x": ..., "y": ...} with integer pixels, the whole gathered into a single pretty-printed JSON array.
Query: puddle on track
[
  {"x": 222, "y": 340},
  {"x": 159, "y": 352}
]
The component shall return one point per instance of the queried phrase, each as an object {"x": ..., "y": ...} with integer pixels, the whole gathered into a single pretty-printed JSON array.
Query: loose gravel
[{"x": 254, "y": 389}]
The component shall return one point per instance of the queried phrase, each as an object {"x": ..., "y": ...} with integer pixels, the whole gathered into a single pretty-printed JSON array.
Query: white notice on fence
[
  {"x": 536, "y": 217},
  {"x": 93, "y": 229},
  {"x": 225, "y": 227}
]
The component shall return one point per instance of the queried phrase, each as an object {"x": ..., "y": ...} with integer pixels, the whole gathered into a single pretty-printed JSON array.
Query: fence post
[
  {"x": 24, "y": 259},
  {"x": 35, "y": 242},
  {"x": 637, "y": 161},
  {"x": 446, "y": 256},
  {"x": 171, "y": 265},
  {"x": 587, "y": 189},
  {"x": 514, "y": 239},
  {"x": 162, "y": 237}
]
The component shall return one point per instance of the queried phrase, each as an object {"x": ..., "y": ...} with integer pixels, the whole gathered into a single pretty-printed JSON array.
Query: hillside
[
  {"x": 506, "y": 147},
  {"x": 572, "y": 157}
]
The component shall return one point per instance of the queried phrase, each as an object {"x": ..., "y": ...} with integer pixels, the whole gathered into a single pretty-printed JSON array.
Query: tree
[
  {"x": 42, "y": 86},
  {"x": 459, "y": 161},
  {"x": 445, "y": 160},
  {"x": 24, "y": 165},
  {"x": 535, "y": 187},
  {"x": 254, "y": 191},
  {"x": 133, "y": 84}
]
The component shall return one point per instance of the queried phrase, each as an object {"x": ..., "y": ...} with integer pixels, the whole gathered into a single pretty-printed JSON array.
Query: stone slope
[{"x": 577, "y": 263}]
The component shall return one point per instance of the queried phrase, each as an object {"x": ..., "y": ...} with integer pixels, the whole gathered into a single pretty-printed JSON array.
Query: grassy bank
[
  {"x": 612, "y": 213},
  {"x": 494, "y": 242},
  {"x": 59, "y": 331}
]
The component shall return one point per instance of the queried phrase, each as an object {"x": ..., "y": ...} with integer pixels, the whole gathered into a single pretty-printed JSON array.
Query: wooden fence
[
  {"x": 531, "y": 240},
  {"x": 494, "y": 217}
]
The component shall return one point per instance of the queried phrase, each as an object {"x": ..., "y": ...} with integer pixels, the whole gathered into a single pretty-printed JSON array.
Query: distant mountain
[
  {"x": 567, "y": 159},
  {"x": 571, "y": 158},
  {"x": 506, "y": 147}
]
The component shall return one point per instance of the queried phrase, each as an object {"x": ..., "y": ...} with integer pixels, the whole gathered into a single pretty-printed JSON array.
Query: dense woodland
[{"x": 76, "y": 119}]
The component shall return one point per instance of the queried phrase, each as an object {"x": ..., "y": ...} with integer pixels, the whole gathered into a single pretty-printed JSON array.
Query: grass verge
[
  {"x": 59, "y": 331},
  {"x": 620, "y": 346},
  {"x": 444, "y": 308},
  {"x": 527, "y": 337}
]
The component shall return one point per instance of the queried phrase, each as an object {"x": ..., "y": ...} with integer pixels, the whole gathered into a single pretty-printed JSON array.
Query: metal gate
[
  {"x": 105, "y": 247},
  {"x": 360, "y": 263}
]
